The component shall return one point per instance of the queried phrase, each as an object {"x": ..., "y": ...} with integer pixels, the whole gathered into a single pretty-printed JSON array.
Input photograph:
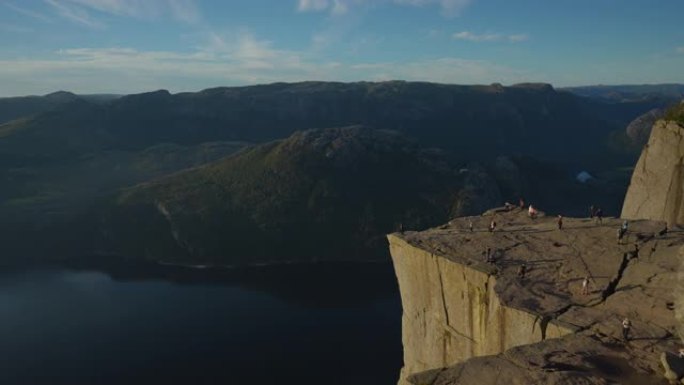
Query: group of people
[{"x": 596, "y": 213}]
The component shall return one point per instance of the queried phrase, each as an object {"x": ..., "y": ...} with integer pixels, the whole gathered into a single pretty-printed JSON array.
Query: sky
[{"x": 129, "y": 46}]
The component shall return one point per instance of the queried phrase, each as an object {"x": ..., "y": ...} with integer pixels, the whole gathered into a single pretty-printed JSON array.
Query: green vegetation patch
[{"x": 676, "y": 114}]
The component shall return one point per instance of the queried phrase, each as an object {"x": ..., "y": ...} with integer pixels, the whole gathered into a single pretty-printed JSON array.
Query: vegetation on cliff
[{"x": 676, "y": 114}]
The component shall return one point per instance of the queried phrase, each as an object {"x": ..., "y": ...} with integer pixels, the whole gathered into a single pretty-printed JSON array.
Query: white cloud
[
  {"x": 466, "y": 35},
  {"x": 470, "y": 36},
  {"x": 312, "y": 5},
  {"x": 518, "y": 38},
  {"x": 449, "y": 8},
  {"x": 237, "y": 59}
]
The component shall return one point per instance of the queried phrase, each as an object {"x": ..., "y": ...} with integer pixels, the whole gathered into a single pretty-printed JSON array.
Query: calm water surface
[{"x": 306, "y": 324}]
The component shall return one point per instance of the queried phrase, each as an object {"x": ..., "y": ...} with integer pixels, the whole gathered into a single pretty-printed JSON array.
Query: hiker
[
  {"x": 532, "y": 212},
  {"x": 522, "y": 203},
  {"x": 624, "y": 226},
  {"x": 492, "y": 226},
  {"x": 592, "y": 211},
  {"x": 521, "y": 271},
  {"x": 626, "y": 326},
  {"x": 620, "y": 234},
  {"x": 560, "y": 222},
  {"x": 401, "y": 228},
  {"x": 470, "y": 225},
  {"x": 599, "y": 215},
  {"x": 585, "y": 286}
]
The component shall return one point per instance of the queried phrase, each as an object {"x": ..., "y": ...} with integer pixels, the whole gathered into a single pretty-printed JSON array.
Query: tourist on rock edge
[
  {"x": 599, "y": 215},
  {"x": 522, "y": 270},
  {"x": 626, "y": 326},
  {"x": 585, "y": 286}
]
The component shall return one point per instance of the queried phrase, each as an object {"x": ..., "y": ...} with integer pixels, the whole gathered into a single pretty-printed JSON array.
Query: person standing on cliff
[
  {"x": 626, "y": 326},
  {"x": 492, "y": 226},
  {"x": 470, "y": 225},
  {"x": 522, "y": 203},
  {"x": 560, "y": 222},
  {"x": 592, "y": 211},
  {"x": 620, "y": 235},
  {"x": 521, "y": 271},
  {"x": 532, "y": 212},
  {"x": 599, "y": 216},
  {"x": 585, "y": 286}
]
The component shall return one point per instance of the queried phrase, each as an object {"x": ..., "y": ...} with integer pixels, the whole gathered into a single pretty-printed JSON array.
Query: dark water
[{"x": 305, "y": 324}]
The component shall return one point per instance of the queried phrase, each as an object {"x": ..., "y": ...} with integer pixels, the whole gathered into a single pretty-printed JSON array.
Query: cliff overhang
[{"x": 472, "y": 319}]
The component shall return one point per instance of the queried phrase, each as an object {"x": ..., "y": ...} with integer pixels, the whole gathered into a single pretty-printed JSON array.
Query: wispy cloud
[
  {"x": 484, "y": 37},
  {"x": 230, "y": 59},
  {"x": 449, "y": 8},
  {"x": 27, "y": 12},
  {"x": 312, "y": 5},
  {"x": 75, "y": 14},
  {"x": 82, "y": 11}
]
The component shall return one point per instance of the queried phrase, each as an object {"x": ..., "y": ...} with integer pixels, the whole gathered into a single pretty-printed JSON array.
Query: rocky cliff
[
  {"x": 657, "y": 185},
  {"x": 469, "y": 321}
]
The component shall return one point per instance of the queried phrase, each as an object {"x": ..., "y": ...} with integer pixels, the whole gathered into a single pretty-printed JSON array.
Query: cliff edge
[
  {"x": 467, "y": 320},
  {"x": 657, "y": 186}
]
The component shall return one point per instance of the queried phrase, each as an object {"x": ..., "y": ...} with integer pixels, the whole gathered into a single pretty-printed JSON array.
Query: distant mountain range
[
  {"x": 65, "y": 157},
  {"x": 631, "y": 93}
]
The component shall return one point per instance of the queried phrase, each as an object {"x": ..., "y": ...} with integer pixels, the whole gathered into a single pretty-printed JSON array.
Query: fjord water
[{"x": 332, "y": 323}]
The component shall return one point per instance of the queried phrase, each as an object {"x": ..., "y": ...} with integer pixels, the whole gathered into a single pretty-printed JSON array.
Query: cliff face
[
  {"x": 467, "y": 321},
  {"x": 452, "y": 313},
  {"x": 657, "y": 185}
]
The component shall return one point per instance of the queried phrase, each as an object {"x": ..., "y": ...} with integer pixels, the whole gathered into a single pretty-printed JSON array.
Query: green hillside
[{"x": 320, "y": 194}]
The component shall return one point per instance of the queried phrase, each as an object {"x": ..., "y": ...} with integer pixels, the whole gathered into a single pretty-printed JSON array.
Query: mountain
[
  {"x": 631, "y": 93},
  {"x": 18, "y": 107},
  {"x": 473, "y": 122},
  {"x": 319, "y": 194},
  {"x": 57, "y": 162}
]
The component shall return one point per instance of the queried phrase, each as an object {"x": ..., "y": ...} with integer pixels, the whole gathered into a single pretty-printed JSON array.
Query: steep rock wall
[
  {"x": 657, "y": 185},
  {"x": 451, "y": 312}
]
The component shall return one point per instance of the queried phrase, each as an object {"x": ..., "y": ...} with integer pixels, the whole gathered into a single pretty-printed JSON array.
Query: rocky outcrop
[
  {"x": 469, "y": 321},
  {"x": 639, "y": 129},
  {"x": 657, "y": 185}
]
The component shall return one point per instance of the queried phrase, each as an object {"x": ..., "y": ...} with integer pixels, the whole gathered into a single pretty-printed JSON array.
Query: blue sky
[{"x": 126, "y": 46}]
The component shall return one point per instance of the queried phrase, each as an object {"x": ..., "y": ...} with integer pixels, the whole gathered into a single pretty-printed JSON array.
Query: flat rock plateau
[{"x": 470, "y": 321}]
